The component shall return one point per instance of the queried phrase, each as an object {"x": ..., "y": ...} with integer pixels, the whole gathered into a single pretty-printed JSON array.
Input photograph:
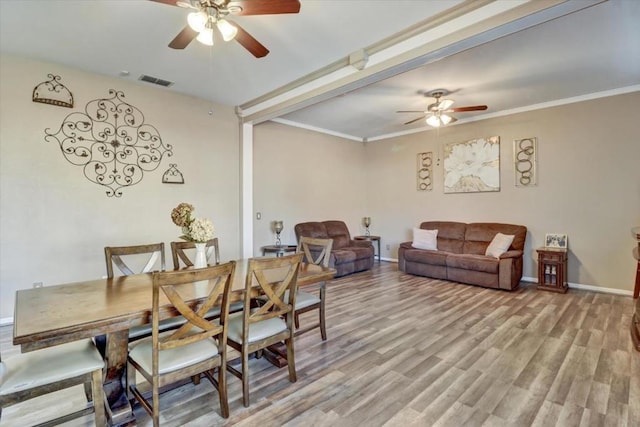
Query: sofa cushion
[
  {"x": 450, "y": 234},
  {"x": 499, "y": 245},
  {"x": 473, "y": 262},
  {"x": 425, "y": 239},
  {"x": 339, "y": 232},
  {"x": 426, "y": 256},
  {"x": 478, "y": 236},
  {"x": 343, "y": 256},
  {"x": 317, "y": 230}
]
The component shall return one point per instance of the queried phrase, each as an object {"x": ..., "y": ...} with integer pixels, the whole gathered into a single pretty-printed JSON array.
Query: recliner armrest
[{"x": 511, "y": 254}]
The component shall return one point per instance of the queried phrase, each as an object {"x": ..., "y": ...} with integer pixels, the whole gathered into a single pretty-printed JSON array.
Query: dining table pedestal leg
[{"x": 119, "y": 410}]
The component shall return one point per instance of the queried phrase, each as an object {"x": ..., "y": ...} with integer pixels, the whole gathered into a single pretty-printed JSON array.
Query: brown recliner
[{"x": 347, "y": 255}]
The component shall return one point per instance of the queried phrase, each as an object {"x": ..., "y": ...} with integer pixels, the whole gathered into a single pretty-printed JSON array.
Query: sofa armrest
[
  {"x": 511, "y": 254},
  {"x": 407, "y": 245},
  {"x": 361, "y": 243}
]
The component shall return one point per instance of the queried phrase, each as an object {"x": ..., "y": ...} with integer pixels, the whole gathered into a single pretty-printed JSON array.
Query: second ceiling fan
[
  {"x": 437, "y": 114},
  {"x": 212, "y": 15}
]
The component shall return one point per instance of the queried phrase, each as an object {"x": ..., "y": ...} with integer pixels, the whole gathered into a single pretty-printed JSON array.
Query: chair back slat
[
  {"x": 178, "y": 253},
  {"x": 316, "y": 251},
  {"x": 181, "y": 286},
  {"x": 260, "y": 274},
  {"x": 114, "y": 256}
]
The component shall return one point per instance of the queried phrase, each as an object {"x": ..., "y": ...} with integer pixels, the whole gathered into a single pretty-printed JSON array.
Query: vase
[{"x": 200, "y": 260}]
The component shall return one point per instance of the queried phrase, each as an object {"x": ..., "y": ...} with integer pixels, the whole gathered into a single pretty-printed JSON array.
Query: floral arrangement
[{"x": 197, "y": 230}]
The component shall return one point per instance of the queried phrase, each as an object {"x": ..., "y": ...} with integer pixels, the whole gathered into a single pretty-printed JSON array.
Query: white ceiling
[{"x": 590, "y": 51}]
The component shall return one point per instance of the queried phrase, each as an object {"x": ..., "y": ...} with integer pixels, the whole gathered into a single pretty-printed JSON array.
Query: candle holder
[
  {"x": 367, "y": 222},
  {"x": 278, "y": 227}
]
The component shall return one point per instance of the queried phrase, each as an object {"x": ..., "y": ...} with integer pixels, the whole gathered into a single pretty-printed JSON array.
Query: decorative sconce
[
  {"x": 53, "y": 92},
  {"x": 367, "y": 222},
  {"x": 278, "y": 227}
]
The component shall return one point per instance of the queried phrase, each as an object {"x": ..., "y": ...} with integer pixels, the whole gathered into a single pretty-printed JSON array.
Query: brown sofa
[
  {"x": 347, "y": 256},
  {"x": 461, "y": 255}
]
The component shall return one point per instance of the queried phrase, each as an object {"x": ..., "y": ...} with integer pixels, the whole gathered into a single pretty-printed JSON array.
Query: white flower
[
  {"x": 201, "y": 230},
  {"x": 475, "y": 159}
]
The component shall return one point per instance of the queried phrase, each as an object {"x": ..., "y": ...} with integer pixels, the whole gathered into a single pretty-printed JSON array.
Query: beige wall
[
  {"x": 300, "y": 175},
  {"x": 54, "y": 223},
  {"x": 588, "y": 185}
]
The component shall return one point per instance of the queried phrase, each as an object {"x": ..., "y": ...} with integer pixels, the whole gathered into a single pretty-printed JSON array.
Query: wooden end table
[
  {"x": 552, "y": 269},
  {"x": 371, "y": 239},
  {"x": 279, "y": 250}
]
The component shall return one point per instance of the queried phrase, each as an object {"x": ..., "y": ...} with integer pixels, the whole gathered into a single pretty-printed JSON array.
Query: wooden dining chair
[
  {"x": 152, "y": 255},
  {"x": 198, "y": 347},
  {"x": 316, "y": 251},
  {"x": 29, "y": 375},
  {"x": 114, "y": 256},
  {"x": 178, "y": 253},
  {"x": 255, "y": 329}
]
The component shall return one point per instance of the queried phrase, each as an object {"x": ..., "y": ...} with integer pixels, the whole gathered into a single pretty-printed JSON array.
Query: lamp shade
[
  {"x": 227, "y": 29},
  {"x": 206, "y": 37},
  {"x": 197, "y": 20}
]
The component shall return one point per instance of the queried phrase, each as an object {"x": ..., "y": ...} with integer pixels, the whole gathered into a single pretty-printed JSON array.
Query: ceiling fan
[
  {"x": 208, "y": 15},
  {"x": 437, "y": 114}
]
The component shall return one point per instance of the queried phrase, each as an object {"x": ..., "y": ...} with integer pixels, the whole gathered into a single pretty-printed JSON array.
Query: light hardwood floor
[{"x": 411, "y": 351}]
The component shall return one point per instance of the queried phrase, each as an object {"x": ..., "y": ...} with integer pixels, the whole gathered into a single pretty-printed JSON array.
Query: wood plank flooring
[{"x": 411, "y": 351}]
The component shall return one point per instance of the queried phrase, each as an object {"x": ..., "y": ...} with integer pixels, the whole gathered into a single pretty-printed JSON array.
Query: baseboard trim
[{"x": 587, "y": 287}]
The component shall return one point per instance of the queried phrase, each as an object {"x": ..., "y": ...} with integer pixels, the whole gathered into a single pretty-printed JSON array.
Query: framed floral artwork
[{"x": 472, "y": 166}]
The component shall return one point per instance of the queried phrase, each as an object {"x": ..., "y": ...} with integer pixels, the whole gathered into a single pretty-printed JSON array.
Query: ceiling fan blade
[
  {"x": 410, "y": 111},
  {"x": 472, "y": 108},
  {"x": 183, "y": 38},
  {"x": 264, "y": 7},
  {"x": 169, "y": 2},
  {"x": 415, "y": 120},
  {"x": 248, "y": 42}
]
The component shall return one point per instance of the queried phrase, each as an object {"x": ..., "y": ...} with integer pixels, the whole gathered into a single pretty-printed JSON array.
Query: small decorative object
[
  {"x": 53, "y": 92},
  {"x": 472, "y": 166},
  {"x": 552, "y": 240},
  {"x": 425, "y": 164},
  {"x": 197, "y": 230},
  {"x": 172, "y": 175},
  {"x": 278, "y": 227},
  {"x": 112, "y": 142},
  {"x": 367, "y": 222},
  {"x": 525, "y": 159}
]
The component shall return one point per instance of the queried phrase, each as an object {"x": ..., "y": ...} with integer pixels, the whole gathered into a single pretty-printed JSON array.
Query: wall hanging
[
  {"x": 112, "y": 142},
  {"x": 53, "y": 92},
  {"x": 525, "y": 159},
  {"x": 172, "y": 175},
  {"x": 472, "y": 166},
  {"x": 425, "y": 165}
]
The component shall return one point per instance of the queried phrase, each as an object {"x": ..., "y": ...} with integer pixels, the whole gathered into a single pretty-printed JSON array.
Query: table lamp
[
  {"x": 278, "y": 227},
  {"x": 367, "y": 222}
]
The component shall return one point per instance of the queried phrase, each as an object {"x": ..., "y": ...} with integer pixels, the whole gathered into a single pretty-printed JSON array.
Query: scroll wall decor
[
  {"x": 112, "y": 142},
  {"x": 425, "y": 169},
  {"x": 525, "y": 158}
]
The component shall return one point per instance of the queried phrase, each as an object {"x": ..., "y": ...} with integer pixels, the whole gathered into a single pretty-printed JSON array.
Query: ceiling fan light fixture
[
  {"x": 227, "y": 29},
  {"x": 445, "y": 104},
  {"x": 445, "y": 119},
  {"x": 206, "y": 37},
  {"x": 197, "y": 20},
  {"x": 433, "y": 121}
]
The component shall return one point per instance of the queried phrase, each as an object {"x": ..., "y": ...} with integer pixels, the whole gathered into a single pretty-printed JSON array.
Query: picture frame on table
[{"x": 554, "y": 240}]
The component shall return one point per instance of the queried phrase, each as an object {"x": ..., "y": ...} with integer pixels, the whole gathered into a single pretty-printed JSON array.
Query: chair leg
[
  {"x": 87, "y": 392},
  {"x": 156, "y": 404},
  {"x": 131, "y": 381},
  {"x": 296, "y": 320},
  {"x": 245, "y": 377},
  {"x": 291, "y": 360},
  {"x": 98, "y": 398},
  {"x": 195, "y": 379},
  {"x": 222, "y": 389},
  {"x": 323, "y": 327}
]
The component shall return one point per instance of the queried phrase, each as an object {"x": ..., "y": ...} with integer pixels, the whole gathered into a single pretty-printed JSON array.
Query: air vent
[{"x": 155, "y": 80}]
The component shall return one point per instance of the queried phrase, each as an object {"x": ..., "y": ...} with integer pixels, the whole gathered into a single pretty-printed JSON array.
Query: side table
[
  {"x": 371, "y": 239},
  {"x": 552, "y": 269},
  {"x": 279, "y": 250}
]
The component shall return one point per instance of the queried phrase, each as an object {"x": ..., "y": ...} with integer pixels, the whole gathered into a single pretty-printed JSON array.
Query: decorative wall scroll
[
  {"x": 425, "y": 171},
  {"x": 53, "y": 92},
  {"x": 172, "y": 175},
  {"x": 525, "y": 159},
  {"x": 112, "y": 143},
  {"x": 472, "y": 166}
]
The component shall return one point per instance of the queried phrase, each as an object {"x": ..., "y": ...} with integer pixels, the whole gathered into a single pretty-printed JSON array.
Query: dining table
[{"x": 54, "y": 315}]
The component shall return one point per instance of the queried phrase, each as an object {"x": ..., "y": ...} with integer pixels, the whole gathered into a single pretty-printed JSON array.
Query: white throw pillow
[
  {"x": 425, "y": 239},
  {"x": 499, "y": 245}
]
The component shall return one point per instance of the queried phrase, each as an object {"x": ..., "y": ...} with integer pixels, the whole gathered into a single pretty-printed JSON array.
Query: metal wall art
[
  {"x": 425, "y": 171},
  {"x": 525, "y": 159},
  {"x": 472, "y": 166},
  {"x": 53, "y": 92},
  {"x": 172, "y": 175},
  {"x": 112, "y": 143}
]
